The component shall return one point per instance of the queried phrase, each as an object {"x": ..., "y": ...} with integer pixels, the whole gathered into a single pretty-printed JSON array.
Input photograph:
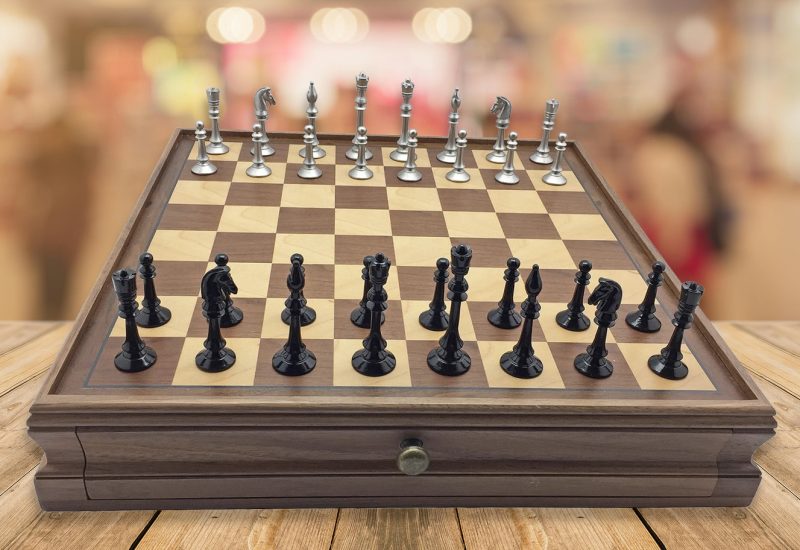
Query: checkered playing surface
[{"x": 334, "y": 222}]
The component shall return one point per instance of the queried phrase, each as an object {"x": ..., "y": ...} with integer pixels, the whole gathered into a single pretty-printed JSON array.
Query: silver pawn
[
  {"x": 542, "y": 153},
  {"x": 312, "y": 113},
  {"x": 258, "y": 169},
  {"x": 407, "y": 90},
  {"x": 361, "y": 105},
  {"x": 507, "y": 175},
  {"x": 448, "y": 154},
  {"x": 203, "y": 166},
  {"x": 309, "y": 170},
  {"x": 261, "y": 102},
  {"x": 459, "y": 174},
  {"x": 554, "y": 176},
  {"x": 501, "y": 108},
  {"x": 409, "y": 172},
  {"x": 361, "y": 171},
  {"x": 215, "y": 145}
]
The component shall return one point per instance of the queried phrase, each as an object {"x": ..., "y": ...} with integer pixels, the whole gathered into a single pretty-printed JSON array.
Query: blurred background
[{"x": 689, "y": 108}]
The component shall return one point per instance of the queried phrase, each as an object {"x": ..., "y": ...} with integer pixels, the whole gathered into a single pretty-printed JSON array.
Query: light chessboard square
[
  {"x": 200, "y": 192},
  {"x": 242, "y": 373},
  {"x": 473, "y": 224},
  {"x": 308, "y": 196},
  {"x": 169, "y": 244},
  {"x": 637, "y": 355},
  {"x": 516, "y": 201},
  {"x": 584, "y": 227},
  {"x": 316, "y": 249},
  {"x": 547, "y": 253},
  {"x": 277, "y": 176},
  {"x": 249, "y": 219},
  {"x": 321, "y": 329},
  {"x": 405, "y": 198},
  {"x": 491, "y": 352}
]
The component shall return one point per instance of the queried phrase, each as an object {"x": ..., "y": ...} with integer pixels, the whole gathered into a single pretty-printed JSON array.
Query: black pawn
[
  {"x": 607, "y": 296},
  {"x": 573, "y": 318},
  {"x": 215, "y": 286},
  {"x": 294, "y": 359},
  {"x": 448, "y": 358},
  {"x": 360, "y": 316},
  {"x": 504, "y": 315},
  {"x": 669, "y": 363},
  {"x": 521, "y": 362},
  {"x": 644, "y": 318},
  {"x": 152, "y": 314},
  {"x": 374, "y": 359},
  {"x": 435, "y": 317},
  {"x": 233, "y": 315},
  {"x": 307, "y": 314},
  {"x": 135, "y": 355}
]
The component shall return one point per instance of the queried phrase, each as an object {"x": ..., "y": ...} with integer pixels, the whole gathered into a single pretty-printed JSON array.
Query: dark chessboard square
[
  {"x": 351, "y": 249},
  {"x": 197, "y": 217},
  {"x": 168, "y": 351},
  {"x": 392, "y": 328},
  {"x": 602, "y": 254},
  {"x": 433, "y": 150},
  {"x": 321, "y": 376},
  {"x": 465, "y": 200},
  {"x": 564, "y": 355},
  {"x": 254, "y": 194},
  {"x": 524, "y": 153},
  {"x": 306, "y": 220},
  {"x": 319, "y": 281},
  {"x": 342, "y": 148},
  {"x": 558, "y": 285},
  {"x": 392, "y": 181},
  {"x": 487, "y": 252},
  {"x": 328, "y": 176},
  {"x": 416, "y": 283},
  {"x": 527, "y": 226},
  {"x": 525, "y": 183},
  {"x": 280, "y": 157},
  {"x": 350, "y": 196},
  {"x": 567, "y": 202},
  {"x": 487, "y": 332},
  {"x": 179, "y": 278},
  {"x": 225, "y": 170},
  {"x": 250, "y": 327},
  {"x": 418, "y": 224},
  {"x": 423, "y": 377},
  {"x": 244, "y": 247},
  {"x": 626, "y": 335}
]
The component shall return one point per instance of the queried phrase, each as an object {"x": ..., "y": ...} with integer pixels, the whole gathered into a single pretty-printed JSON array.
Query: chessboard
[{"x": 174, "y": 436}]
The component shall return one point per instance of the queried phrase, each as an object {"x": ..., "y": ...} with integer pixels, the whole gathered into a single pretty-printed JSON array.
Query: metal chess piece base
[
  {"x": 145, "y": 359},
  {"x": 302, "y": 364},
  {"x": 352, "y": 153},
  {"x": 206, "y": 361},
  {"x": 384, "y": 365},
  {"x": 497, "y": 157},
  {"x": 603, "y": 368},
  {"x": 676, "y": 371},
  {"x": 447, "y": 156},
  {"x": 531, "y": 368},
  {"x": 541, "y": 158},
  {"x": 458, "y": 176},
  {"x": 307, "y": 316},
  {"x": 266, "y": 150},
  {"x": 399, "y": 154},
  {"x": 217, "y": 148},
  {"x": 204, "y": 169},
  {"x": 360, "y": 173},
  {"x": 554, "y": 179},
  {"x": 438, "y": 364},
  {"x": 309, "y": 172},
  {"x": 642, "y": 323},
  {"x": 575, "y": 323},
  {"x": 409, "y": 175},
  {"x": 319, "y": 152},
  {"x": 258, "y": 170},
  {"x": 148, "y": 318},
  {"x": 507, "y": 178}
]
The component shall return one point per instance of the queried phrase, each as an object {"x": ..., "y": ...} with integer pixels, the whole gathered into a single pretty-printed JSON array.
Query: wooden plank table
[{"x": 770, "y": 351}]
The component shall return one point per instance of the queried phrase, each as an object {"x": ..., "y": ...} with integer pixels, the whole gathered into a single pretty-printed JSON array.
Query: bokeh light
[
  {"x": 339, "y": 25},
  {"x": 442, "y": 25},
  {"x": 159, "y": 54},
  {"x": 235, "y": 25}
]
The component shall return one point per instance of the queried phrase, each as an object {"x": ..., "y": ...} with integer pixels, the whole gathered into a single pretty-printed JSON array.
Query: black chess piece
[
  {"x": 233, "y": 315},
  {"x": 607, "y": 296},
  {"x": 135, "y": 355},
  {"x": 307, "y": 313},
  {"x": 669, "y": 363},
  {"x": 435, "y": 317},
  {"x": 521, "y": 361},
  {"x": 215, "y": 286},
  {"x": 504, "y": 316},
  {"x": 644, "y": 318},
  {"x": 152, "y": 314},
  {"x": 573, "y": 318},
  {"x": 374, "y": 359},
  {"x": 448, "y": 358},
  {"x": 361, "y": 316},
  {"x": 294, "y": 359}
]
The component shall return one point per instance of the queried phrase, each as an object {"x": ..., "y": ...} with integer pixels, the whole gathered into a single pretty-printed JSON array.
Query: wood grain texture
[
  {"x": 15, "y": 333},
  {"x": 397, "y": 529}
]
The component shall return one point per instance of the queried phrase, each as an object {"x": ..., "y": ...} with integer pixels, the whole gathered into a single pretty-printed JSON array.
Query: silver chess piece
[
  {"x": 459, "y": 174},
  {"x": 507, "y": 175},
  {"x": 409, "y": 172},
  {"x": 215, "y": 145},
  {"x": 261, "y": 102},
  {"x": 542, "y": 153},
  {"x": 407, "y": 90},
  {"x": 258, "y": 169},
  {"x": 448, "y": 154},
  {"x": 554, "y": 176},
  {"x": 203, "y": 166},
  {"x": 309, "y": 170},
  {"x": 501, "y": 108},
  {"x": 361, "y": 171},
  {"x": 361, "y": 105},
  {"x": 311, "y": 113}
]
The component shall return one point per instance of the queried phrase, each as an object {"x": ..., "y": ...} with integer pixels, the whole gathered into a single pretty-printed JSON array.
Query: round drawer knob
[{"x": 413, "y": 459}]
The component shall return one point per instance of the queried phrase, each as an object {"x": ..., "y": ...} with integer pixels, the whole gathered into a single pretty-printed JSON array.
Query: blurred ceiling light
[
  {"x": 235, "y": 25},
  {"x": 159, "y": 54},
  {"x": 442, "y": 25},
  {"x": 339, "y": 25},
  {"x": 696, "y": 36},
  {"x": 171, "y": 85}
]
